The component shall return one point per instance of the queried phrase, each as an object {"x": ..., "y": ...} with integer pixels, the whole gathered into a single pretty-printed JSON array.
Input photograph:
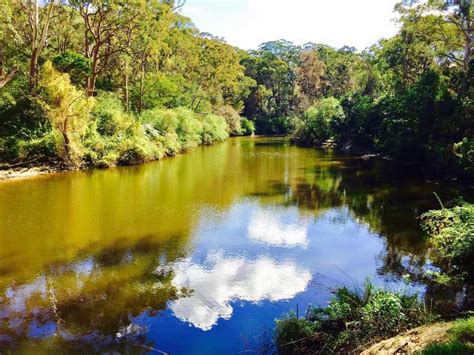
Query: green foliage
[
  {"x": 76, "y": 65},
  {"x": 109, "y": 115},
  {"x": 319, "y": 122},
  {"x": 293, "y": 333},
  {"x": 451, "y": 348},
  {"x": 451, "y": 232},
  {"x": 351, "y": 320},
  {"x": 465, "y": 151},
  {"x": 214, "y": 129},
  {"x": 248, "y": 127},
  {"x": 189, "y": 128}
]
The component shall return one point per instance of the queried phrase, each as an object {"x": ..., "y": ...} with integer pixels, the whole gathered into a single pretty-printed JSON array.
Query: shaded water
[{"x": 200, "y": 253}]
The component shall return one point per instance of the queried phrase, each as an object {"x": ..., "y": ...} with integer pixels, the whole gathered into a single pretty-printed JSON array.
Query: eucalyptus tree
[{"x": 104, "y": 21}]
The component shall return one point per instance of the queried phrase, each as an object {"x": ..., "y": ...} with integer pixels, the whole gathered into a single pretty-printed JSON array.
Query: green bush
[
  {"x": 189, "y": 128},
  {"x": 451, "y": 233},
  {"x": 161, "y": 126},
  {"x": 351, "y": 320},
  {"x": 248, "y": 127},
  {"x": 318, "y": 122},
  {"x": 214, "y": 129},
  {"x": 110, "y": 116},
  {"x": 465, "y": 151}
]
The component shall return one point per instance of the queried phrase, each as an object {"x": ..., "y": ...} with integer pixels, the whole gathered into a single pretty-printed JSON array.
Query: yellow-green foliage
[
  {"x": 214, "y": 129},
  {"x": 67, "y": 108},
  {"x": 189, "y": 128},
  {"x": 160, "y": 126},
  {"x": 451, "y": 232},
  {"x": 116, "y": 137}
]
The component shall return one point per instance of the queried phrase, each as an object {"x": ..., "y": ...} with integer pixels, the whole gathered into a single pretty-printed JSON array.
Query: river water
[{"x": 202, "y": 252}]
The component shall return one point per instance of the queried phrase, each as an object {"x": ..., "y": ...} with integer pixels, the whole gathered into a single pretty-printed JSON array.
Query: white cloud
[
  {"x": 279, "y": 228},
  {"x": 227, "y": 279}
]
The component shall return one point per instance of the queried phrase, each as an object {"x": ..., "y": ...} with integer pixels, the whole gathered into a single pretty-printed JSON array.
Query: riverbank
[
  {"x": 438, "y": 338},
  {"x": 25, "y": 173}
]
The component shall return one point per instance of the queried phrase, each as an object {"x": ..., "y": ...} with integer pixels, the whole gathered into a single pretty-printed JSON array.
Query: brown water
[{"x": 200, "y": 253}]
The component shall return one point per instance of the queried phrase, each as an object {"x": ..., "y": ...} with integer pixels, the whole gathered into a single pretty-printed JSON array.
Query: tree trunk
[
  {"x": 467, "y": 56},
  {"x": 91, "y": 80},
  {"x": 142, "y": 91},
  {"x": 125, "y": 88},
  {"x": 33, "y": 68}
]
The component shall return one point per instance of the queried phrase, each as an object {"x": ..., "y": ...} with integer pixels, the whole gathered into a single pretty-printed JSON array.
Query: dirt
[
  {"x": 23, "y": 173},
  {"x": 412, "y": 341}
]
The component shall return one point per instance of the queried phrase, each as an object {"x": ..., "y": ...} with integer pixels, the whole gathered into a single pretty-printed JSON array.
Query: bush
[
  {"x": 233, "y": 119},
  {"x": 214, "y": 129},
  {"x": 451, "y": 233},
  {"x": 75, "y": 64},
  {"x": 110, "y": 116},
  {"x": 465, "y": 151},
  {"x": 161, "y": 126},
  {"x": 352, "y": 319},
  {"x": 318, "y": 122},
  {"x": 189, "y": 128},
  {"x": 248, "y": 127}
]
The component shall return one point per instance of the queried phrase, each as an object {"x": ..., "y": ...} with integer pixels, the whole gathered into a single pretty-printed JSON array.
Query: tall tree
[{"x": 39, "y": 20}]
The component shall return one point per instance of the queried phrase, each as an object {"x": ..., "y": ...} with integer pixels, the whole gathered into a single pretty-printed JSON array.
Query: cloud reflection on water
[
  {"x": 225, "y": 279},
  {"x": 280, "y": 228}
]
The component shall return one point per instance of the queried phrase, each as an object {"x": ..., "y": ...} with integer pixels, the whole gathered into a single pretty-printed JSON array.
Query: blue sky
[{"x": 247, "y": 23}]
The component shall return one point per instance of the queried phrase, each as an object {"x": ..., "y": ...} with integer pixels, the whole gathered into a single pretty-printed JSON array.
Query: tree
[
  {"x": 67, "y": 108},
  {"x": 309, "y": 75},
  {"x": 103, "y": 21},
  {"x": 39, "y": 20}
]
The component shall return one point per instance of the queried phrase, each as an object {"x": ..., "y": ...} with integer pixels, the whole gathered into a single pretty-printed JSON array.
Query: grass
[
  {"x": 352, "y": 320},
  {"x": 461, "y": 340}
]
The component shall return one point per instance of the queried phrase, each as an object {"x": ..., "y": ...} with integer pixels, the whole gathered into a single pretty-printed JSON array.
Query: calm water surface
[{"x": 200, "y": 253}]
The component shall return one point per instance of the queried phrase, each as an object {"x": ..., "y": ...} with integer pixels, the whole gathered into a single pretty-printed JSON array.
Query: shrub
[
  {"x": 214, "y": 129},
  {"x": 465, "y": 151},
  {"x": 318, "y": 122},
  {"x": 233, "y": 119},
  {"x": 161, "y": 126},
  {"x": 189, "y": 128},
  {"x": 351, "y": 320},
  {"x": 75, "y": 64},
  {"x": 110, "y": 116},
  {"x": 248, "y": 127},
  {"x": 451, "y": 233}
]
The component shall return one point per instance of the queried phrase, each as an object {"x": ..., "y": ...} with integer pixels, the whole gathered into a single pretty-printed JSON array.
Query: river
[{"x": 201, "y": 252}]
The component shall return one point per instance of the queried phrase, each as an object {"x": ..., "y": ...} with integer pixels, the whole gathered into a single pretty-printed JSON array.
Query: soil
[{"x": 412, "y": 341}]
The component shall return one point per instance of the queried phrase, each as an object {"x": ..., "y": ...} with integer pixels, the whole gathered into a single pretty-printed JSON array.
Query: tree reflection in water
[{"x": 90, "y": 304}]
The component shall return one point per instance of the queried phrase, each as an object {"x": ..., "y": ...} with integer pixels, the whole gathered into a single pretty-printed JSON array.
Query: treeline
[
  {"x": 81, "y": 81},
  {"x": 410, "y": 97},
  {"x": 99, "y": 83}
]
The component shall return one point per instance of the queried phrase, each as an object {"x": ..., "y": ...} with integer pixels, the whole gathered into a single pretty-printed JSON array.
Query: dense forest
[{"x": 91, "y": 83}]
